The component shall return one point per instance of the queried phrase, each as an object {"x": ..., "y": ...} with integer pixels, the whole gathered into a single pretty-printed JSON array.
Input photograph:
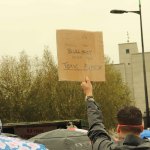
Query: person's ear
[
  {"x": 142, "y": 128},
  {"x": 118, "y": 129}
]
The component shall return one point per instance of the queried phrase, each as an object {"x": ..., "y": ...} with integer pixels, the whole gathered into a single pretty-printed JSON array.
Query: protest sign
[{"x": 80, "y": 54}]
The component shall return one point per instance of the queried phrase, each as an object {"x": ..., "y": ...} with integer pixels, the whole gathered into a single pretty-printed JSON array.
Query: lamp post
[{"x": 143, "y": 59}]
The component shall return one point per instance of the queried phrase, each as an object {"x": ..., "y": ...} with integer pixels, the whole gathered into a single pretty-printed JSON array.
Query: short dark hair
[{"x": 131, "y": 117}]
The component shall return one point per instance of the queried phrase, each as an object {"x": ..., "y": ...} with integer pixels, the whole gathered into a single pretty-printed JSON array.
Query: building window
[{"x": 127, "y": 51}]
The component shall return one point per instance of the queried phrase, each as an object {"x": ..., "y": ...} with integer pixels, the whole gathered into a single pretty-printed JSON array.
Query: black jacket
[{"x": 101, "y": 139}]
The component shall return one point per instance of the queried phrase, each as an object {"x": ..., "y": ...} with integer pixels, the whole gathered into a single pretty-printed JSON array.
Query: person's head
[{"x": 129, "y": 121}]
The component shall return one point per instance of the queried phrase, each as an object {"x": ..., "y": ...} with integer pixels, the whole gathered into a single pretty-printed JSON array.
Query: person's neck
[{"x": 123, "y": 135}]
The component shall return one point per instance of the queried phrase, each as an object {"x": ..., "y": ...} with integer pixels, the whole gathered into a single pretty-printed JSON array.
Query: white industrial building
[{"x": 131, "y": 69}]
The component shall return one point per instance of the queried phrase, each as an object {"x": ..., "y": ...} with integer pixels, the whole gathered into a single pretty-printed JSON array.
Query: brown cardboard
[{"x": 80, "y": 53}]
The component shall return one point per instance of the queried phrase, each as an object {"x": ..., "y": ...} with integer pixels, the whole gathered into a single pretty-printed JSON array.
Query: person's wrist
[{"x": 89, "y": 93}]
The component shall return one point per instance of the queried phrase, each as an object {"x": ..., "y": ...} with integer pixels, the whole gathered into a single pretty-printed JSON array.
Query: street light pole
[
  {"x": 143, "y": 59},
  {"x": 144, "y": 70}
]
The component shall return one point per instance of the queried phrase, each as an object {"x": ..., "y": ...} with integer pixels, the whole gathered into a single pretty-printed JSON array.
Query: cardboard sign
[{"x": 80, "y": 54}]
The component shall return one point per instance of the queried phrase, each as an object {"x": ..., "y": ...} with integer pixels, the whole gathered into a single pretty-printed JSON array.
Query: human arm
[{"x": 97, "y": 133}]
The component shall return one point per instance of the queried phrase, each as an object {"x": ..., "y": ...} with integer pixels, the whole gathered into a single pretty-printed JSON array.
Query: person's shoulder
[
  {"x": 145, "y": 145},
  {"x": 119, "y": 145},
  {"x": 146, "y": 141}
]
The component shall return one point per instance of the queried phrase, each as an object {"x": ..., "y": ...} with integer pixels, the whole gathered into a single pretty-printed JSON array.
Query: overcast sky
[{"x": 30, "y": 24}]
